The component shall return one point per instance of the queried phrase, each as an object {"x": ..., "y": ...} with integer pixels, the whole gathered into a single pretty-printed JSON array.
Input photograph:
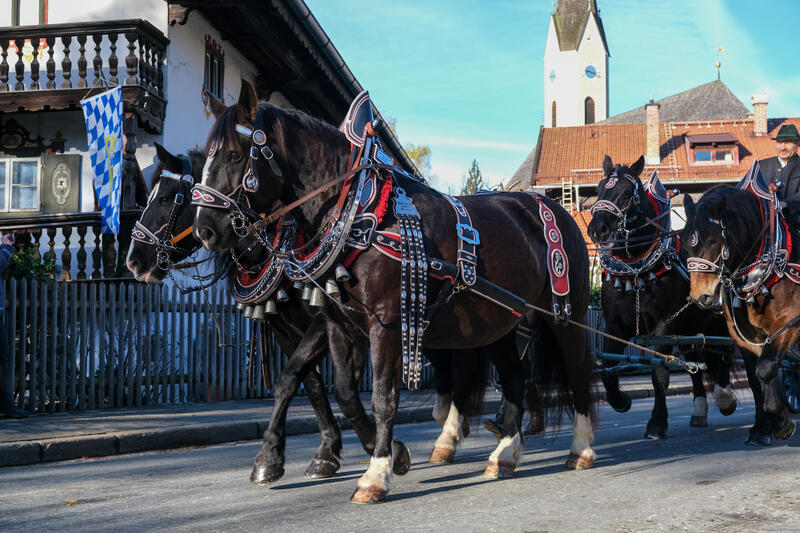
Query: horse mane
[{"x": 282, "y": 124}]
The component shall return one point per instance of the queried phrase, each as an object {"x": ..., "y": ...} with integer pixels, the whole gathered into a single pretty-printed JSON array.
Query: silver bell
[
  {"x": 258, "y": 313},
  {"x": 640, "y": 282},
  {"x": 297, "y": 285},
  {"x": 763, "y": 290},
  {"x": 282, "y": 295},
  {"x": 628, "y": 285},
  {"x": 341, "y": 274},
  {"x": 332, "y": 288},
  {"x": 306, "y": 292},
  {"x": 617, "y": 283},
  {"x": 652, "y": 277},
  {"x": 608, "y": 276},
  {"x": 271, "y": 308},
  {"x": 317, "y": 298},
  {"x": 240, "y": 306},
  {"x": 248, "y": 311}
]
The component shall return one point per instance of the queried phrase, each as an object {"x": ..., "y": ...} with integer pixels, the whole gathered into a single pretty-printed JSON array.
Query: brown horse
[
  {"x": 631, "y": 220},
  {"x": 304, "y": 155},
  {"x": 726, "y": 263}
]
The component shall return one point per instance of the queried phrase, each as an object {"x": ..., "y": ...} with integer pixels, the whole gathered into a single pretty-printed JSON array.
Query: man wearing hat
[{"x": 785, "y": 168}]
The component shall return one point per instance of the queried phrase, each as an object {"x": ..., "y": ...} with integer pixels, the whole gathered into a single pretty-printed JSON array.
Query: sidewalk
[{"x": 81, "y": 434}]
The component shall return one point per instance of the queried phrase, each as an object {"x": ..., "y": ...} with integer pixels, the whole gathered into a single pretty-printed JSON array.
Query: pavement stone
[{"x": 78, "y": 434}]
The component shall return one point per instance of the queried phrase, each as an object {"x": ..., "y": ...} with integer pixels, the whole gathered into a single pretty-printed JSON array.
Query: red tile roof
[
  {"x": 583, "y": 218},
  {"x": 577, "y": 152}
]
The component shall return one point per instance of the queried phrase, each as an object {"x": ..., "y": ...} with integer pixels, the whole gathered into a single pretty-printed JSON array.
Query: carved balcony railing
[
  {"x": 75, "y": 243},
  {"x": 55, "y": 66}
]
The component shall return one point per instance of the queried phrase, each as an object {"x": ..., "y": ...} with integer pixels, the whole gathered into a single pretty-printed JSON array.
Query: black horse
[
  {"x": 302, "y": 158},
  {"x": 730, "y": 238},
  {"x": 631, "y": 219}
]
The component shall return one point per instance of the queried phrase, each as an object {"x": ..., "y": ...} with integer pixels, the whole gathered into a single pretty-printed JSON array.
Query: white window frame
[{"x": 9, "y": 163}]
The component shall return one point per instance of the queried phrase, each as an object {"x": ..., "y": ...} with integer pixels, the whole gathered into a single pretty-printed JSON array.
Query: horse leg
[
  {"x": 456, "y": 426},
  {"x": 348, "y": 358},
  {"x": 618, "y": 399},
  {"x": 268, "y": 464},
  {"x": 760, "y": 434},
  {"x": 375, "y": 484},
  {"x": 783, "y": 427},
  {"x": 504, "y": 459},
  {"x": 723, "y": 391},
  {"x": 441, "y": 362},
  {"x": 699, "y": 418},
  {"x": 657, "y": 425},
  {"x": 326, "y": 460}
]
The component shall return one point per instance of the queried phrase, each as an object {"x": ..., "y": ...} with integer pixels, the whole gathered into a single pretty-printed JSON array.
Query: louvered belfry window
[{"x": 588, "y": 110}]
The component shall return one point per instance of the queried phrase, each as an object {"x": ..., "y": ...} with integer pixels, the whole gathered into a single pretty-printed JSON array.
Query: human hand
[{"x": 8, "y": 238}]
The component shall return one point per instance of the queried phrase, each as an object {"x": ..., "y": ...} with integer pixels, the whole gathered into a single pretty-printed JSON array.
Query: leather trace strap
[{"x": 468, "y": 241}]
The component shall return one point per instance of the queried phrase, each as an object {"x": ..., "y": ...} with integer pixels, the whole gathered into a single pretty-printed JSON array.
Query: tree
[
  {"x": 420, "y": 154},
  {"x": 473, "y": 181}
]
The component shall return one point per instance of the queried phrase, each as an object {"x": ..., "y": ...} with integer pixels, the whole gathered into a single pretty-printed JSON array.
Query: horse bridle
[
  {"x": 610, "y": 207},
  {"x": 163, "y": 239},
  {"x": 238, "y": 203}
]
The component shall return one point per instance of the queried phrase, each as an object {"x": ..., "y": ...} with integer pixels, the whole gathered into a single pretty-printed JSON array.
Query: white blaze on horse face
[
  {"x": 583, "y": 435},
  {"x": 508, "y": 451},
  {"x": 153, "y": 194},
  {"x": 207, "y": 169},
  {"x": 700, "y": 407},
  {"x": 378, "y": 475},
  {"x": 452, "y": 432}
]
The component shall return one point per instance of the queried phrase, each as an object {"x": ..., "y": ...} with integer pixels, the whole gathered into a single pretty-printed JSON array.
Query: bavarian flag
[{"x": 103, "y": 114}]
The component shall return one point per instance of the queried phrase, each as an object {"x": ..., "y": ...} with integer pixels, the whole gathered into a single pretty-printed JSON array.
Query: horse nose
[
  {"x": 599, "y": 231},
  {"x": 706, "y": 301},
  {"x": 206, "y": 234},
  {"x": 134, "y": 265}
]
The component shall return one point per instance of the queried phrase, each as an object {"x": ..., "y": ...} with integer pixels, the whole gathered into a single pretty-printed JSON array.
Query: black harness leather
[{"x": 468, "y": 241}]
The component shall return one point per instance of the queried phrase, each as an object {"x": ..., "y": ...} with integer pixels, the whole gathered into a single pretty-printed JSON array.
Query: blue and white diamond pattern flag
[{"x": 103, "y": 114}]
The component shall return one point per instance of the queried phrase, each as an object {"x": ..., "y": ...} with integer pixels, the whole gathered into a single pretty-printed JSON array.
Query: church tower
[{"x": 575, "y": 66}]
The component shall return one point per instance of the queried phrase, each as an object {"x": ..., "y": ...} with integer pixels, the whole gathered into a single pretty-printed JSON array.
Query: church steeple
[{"x": 575, "y": 65}]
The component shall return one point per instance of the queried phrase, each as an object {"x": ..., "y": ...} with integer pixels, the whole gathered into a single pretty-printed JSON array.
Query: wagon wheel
[{"x": 789, "y": 376}]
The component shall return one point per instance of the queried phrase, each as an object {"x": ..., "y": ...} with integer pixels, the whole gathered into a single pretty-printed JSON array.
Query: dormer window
[{"x": 714, "y": 149}]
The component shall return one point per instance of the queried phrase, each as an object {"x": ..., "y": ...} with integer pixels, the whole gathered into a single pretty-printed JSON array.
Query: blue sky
[{"x": 465, "y": 76}]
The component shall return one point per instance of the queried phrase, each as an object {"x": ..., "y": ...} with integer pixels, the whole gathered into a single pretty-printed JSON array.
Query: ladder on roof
[{"x": 567, "y": 201}]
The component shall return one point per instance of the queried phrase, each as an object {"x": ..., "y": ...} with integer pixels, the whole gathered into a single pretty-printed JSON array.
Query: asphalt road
[{"x": 697, "y": 480}]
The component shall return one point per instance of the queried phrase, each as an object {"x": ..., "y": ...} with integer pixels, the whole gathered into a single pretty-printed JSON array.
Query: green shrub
[{"x": 25, "y": 264}]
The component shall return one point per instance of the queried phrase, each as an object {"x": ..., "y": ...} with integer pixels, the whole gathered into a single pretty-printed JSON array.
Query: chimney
[
  {"x": 760, "y": 114},
  {"x": 653, "y": 156}
]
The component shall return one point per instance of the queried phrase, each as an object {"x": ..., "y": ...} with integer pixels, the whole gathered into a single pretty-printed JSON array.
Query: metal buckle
[
  {"x": 267, "y": 152},
  {"x": 253, "y": 152},
  {"x": 474, "y": 237},
  {"x": 179, "y": 199}
]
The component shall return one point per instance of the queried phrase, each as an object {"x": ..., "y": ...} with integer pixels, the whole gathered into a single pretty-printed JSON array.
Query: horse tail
[{"x": 547, "y": 392}]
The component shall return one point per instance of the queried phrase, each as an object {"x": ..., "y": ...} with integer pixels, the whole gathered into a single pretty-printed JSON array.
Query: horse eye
[
  {"x": 163, "y": 200},
  {"x": 234, "y": 157}
]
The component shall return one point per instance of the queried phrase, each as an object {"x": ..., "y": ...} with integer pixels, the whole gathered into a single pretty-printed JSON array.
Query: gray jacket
[{"x": 6, "y": 251}]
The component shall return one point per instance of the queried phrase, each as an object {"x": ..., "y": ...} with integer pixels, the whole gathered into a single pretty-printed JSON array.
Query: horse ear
[
  {"x": 608, "y": 166},
  {"x": 248, "y": 100},
  {"x": 216, "y": 106},
  {"x": 170, "y": 162},
  {"x": 718, "y": 209},
  {"x": 637, "y": 167},
  {"x": 688, "y": 206}
]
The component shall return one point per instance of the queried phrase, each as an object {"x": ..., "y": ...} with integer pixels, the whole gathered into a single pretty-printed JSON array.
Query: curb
[{"x": 118, "y": 443}]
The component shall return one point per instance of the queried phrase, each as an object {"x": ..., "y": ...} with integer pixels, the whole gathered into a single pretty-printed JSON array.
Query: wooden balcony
[{"x": 48, "y": 67}]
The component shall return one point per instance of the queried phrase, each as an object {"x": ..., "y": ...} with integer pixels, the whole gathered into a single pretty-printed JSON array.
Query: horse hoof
[
  {"x": 759, "y": 439},
  {"x": 579, "y": 461},
  {"x": 502, "y": 469},
  {"x": 321, "y": 469},
  {"x": 655, "y": 434},
  {"x": 621, "y": 403},
  {"x": 368, "y": 495},
  {"x": 698, "y": 421},
  {"x": 264, "y": 475},
  {"x": 786, "y": 431},
  {"x": 402, "y": 462},
  {"x": 492, "y": 428},
  {"x": 728, "y": 411},
  {"x": 441, "y": 455}
]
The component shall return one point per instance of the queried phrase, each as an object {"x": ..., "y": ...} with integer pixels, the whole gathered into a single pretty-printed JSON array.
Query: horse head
[
  {"x": 259, "y": 155},
  {"x": 709, "y": 237},
  {"x": 163, "y": 233},
  {"x": 618, "y": 206}
]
